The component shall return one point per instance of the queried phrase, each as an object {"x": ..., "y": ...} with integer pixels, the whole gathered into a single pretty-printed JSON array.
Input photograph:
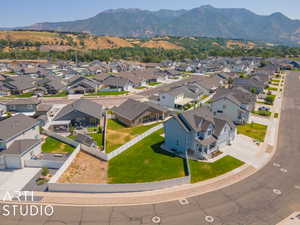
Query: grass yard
[
  {"x": 62, "y": 94},
  {"x": 272, "y": 89},
  {"x": 253, "y": 130},
  {"x": 154, "y": 83},
  {"x": 262, "y": 113},
  {"x": 140, "y": 88},
  {"x": 275, "y": 81},
  {"x": 117, "y": 134},
  {"x": 52, "y": 145},
  {"x": 25, "y": 95},
  {"x": 145, "y": 162},
  {"x": 201, "y": 171},
  {"x": 108, "y": 93},
  {"x": 97, "y": 137}
]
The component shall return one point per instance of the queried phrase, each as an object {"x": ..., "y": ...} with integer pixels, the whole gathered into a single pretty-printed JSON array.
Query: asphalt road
[{"x": 253, "y": 201}]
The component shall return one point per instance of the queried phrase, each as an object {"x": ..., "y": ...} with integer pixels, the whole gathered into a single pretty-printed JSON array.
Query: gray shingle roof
[
  {"x": 84, "y": 106},
  {"x": 14, "y": 125},
  {"x": 131, "y": 109},
  {"x": 21, "y": 146}
]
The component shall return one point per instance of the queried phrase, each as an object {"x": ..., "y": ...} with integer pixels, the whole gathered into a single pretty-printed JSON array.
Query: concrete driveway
[
  {"x": 247, "y": 151},
  {"x": 15, "y": 180}
]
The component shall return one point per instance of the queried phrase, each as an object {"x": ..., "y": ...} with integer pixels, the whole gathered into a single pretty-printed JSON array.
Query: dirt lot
[{"x": 85, "y": 169}]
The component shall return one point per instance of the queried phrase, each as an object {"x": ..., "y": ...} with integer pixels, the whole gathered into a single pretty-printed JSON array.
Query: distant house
[
  {"x": 19, "y": 141},
  {"x": 115, "y": 83},
  {"x": 253, "y": 85},
  {"x": 295, "y": 64},
  {"x": 25, "y": 106},
  {"x": 133, "y": 113},
  {"x": 198, "y": 133},
  {"x": 19, "y": 84},
  {"x": 50, "y": 85},
  {"x": 82, "y": 85},
  {"x": 236, "y": 104},
  {"x": 81, "y": 113}
]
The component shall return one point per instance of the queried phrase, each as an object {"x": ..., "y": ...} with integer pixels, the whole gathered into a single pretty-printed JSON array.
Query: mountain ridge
[{"x": 207, "y": 21}]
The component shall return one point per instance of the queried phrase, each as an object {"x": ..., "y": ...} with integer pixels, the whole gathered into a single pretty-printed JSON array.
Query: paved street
[{"x": 265, "y": 198}]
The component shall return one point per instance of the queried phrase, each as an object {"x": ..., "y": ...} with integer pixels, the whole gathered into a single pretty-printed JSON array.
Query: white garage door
[{"x": 13, "y": 162}]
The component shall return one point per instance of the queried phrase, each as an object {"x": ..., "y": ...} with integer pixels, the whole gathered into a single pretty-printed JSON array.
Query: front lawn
[
  {"x": 52, "y": 145},
  {"x": 272, "y": 89},
  {"x": 145, "y": 162},
  {"x": 140, "y": 88},
  {"x": 262, "y": 113},
  {"x": 154, "y": 83},
  {"x": 201, "y": 171},
  {"x": 25, "y": 95},
  {"x": 253, "y": 130},
  {"x": 117, "y": 134},
  {"x": 62, "y": 94},
  {"x": 108, "y": 93}
]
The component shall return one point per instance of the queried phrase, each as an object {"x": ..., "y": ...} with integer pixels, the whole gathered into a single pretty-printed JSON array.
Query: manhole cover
[
  {"x": 156, "y": 219},
  {"x": 283, "y": 170},
  {"x": 209, "y": 219},
  {"x": 277, "y": 191},
  {"x": 183, "y": 202},
  {"x": 276, "y": 164}
]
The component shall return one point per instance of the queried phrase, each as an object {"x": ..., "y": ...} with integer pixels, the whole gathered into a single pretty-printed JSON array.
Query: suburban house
[
  {"x": 19, "y": 141},
  {"x": 235, "y": 104},
  {"x": 133, "y": 113},
  {"x": 198, "y": 133},
  {"x": 253, "y": 85},
  {"x": 82, "y": 85},
  {"x": 181, "y": 96},
  {"x": 50, "y": 85},
  {"x": 114, "y": 83},
  {"x": 19, "y": 84},
  {"x": 81, "y": 113},
  {"x": 26, "y": 106}
]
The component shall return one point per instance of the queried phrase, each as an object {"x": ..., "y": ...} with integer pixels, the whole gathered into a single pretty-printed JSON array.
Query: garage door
[{"x": 13, "y": 162}]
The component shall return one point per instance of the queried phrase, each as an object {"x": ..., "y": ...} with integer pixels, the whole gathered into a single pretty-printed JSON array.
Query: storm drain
[
  {"x": 209, "y": 219},
  {"x": 183, "y": 202},
  {"x": 156, "y": 220}
]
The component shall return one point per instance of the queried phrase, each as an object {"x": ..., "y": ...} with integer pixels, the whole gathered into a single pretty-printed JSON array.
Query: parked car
[{"x": 264, "y": 108}]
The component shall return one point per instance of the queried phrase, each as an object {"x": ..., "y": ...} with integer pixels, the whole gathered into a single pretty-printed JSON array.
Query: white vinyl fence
[
  {"x": 65, "y": 165},
  {"x": 133, "y": 141}
]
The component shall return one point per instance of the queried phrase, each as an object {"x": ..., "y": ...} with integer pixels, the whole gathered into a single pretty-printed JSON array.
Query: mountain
[{"x": 203, "y": 21}]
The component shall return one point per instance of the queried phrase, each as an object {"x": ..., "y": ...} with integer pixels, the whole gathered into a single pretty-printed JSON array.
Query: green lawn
[
  {"x": 117, "y": 134},
  {"x": 140, "y": 88},
  {"x": 98, "y": 138},
  {"x": 52, "y": 145},
  {"x": 276, "y": 115},
  {"x": 25, "y": 95},
  {"x": 272, "y": 89},
  {"x": 62, "y": 94},
  {"x": 276, "y": 81},
  {"x": 107, "y": 93},
  {"x": 253, "y": 130},
  {"x": 262, "y": 113},
  {"x": 201, "y": 171},
  {"x": 145, "y": 162},
  {"x": 154, "y": 83}
]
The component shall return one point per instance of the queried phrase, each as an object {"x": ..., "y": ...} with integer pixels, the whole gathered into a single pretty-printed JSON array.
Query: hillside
[{"x": 203, "y": 21}]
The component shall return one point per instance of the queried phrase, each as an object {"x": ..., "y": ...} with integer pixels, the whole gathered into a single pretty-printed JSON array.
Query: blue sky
[{"x": 27, "y": 12}]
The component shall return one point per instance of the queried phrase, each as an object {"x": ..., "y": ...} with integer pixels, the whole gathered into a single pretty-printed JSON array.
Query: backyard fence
[
  {"x": 43, "y": 163},
  {"x": 63, "y": 139},
  {"x": 94, "y": 151}
]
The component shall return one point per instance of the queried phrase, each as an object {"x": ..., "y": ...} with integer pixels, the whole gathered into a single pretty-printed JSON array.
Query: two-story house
[
  {"x": 198, "y": 133},
  {"x": 19, "y": 141},
  {"x": 236, "y": 104}
]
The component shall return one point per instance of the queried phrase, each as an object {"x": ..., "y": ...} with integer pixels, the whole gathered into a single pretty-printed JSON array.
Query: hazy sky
[{"x": 27, "y": 12}]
